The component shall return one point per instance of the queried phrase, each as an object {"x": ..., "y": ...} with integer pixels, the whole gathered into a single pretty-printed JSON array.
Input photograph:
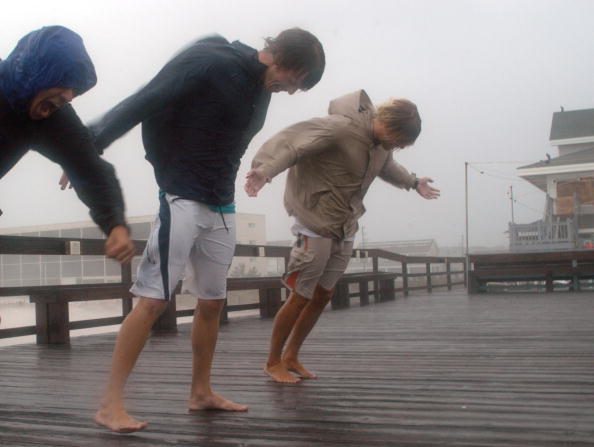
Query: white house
[{"x": 568, "y": 181}]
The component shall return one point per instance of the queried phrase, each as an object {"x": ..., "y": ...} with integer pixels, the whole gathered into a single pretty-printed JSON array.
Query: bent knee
[
  {"x": 297, "y": 300},
  {"x": 210, "y": 308},
  {"x": 152, "y": 306},
  {"x": 322, "y": 296}
]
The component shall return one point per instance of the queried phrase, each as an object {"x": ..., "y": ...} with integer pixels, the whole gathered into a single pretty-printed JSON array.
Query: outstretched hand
[
  {"x": 254, "y": 182},
  {"x": 64, "y": 182},
  {"x": 427, "y": 191}
]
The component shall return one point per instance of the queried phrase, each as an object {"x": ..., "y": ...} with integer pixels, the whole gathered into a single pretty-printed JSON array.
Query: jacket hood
[
  {"x": 50, "y": 57},
  {"x": 355, "y": 105}
]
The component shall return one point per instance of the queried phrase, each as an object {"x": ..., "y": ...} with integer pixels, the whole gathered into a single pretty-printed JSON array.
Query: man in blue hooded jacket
[{"x": 46, "y": 70}]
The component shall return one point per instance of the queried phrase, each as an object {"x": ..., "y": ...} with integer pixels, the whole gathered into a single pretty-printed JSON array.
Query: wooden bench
[
  {"x": 53, "y": 325},
  {"x": 384, "y": 289},
  {"x": 52, "y": 318},
  {"x": 522, "y": 267}
]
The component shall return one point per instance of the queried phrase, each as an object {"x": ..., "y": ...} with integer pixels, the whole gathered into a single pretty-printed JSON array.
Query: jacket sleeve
[
  {"x": 172, "y": 82},
  {"x": 299, "y": 140},
  {"x": 395, "y": 174},
  {"x": 65, "y": 140}
]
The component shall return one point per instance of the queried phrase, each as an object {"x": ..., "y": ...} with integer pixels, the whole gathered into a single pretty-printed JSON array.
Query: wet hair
[
  {"x": 298, "y": 50},
  {"x": 401, "y": 117}
]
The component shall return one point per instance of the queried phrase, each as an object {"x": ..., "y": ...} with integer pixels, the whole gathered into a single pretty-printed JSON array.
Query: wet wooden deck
[{"x": 439, "y": 370}]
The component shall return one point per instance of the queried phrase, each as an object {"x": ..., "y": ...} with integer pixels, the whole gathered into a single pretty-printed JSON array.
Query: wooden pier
[{"x": 430, "y": 369}]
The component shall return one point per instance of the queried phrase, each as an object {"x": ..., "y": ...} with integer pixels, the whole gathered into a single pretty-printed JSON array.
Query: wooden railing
[
  {"x": 515, "y": 269},
  {"x": 544, "y": 235},
  {"x": 53, "y": 324}
]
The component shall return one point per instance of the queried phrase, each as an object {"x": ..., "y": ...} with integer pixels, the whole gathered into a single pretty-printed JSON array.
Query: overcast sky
[{"x": 487, "y": 76}]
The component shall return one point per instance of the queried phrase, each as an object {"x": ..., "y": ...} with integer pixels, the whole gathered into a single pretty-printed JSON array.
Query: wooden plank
[{"x": 440, "y": 370}]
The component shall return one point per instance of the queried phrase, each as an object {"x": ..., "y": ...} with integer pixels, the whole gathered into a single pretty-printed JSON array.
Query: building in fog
[
  {"x": 568, "y": 183},
  {"x": 419, "y": 247}
]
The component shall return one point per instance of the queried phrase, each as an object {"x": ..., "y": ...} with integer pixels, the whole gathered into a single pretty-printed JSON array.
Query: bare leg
[
  {"x": 131, "y": 339},
  {"x": 283, "y": 325},
  {"x": 205, "y": 331},
  {"x": 307, "y": 320}
]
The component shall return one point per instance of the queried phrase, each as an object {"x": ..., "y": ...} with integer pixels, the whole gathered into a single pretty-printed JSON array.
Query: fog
[{"x": 486, "y": 76}]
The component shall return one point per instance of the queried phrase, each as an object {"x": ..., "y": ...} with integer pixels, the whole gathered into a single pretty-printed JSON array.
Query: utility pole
[
  {"x": 363, "y": 241},
  {"x": 511, "y": 198},
  {"x": 466, "y": 208},
  {"x": 363, "y": 246}
]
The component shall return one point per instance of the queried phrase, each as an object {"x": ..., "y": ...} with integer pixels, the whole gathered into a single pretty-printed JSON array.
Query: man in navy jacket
[
  {"x": 46, "y": 70},
  {"x": 198, "y": 115}
]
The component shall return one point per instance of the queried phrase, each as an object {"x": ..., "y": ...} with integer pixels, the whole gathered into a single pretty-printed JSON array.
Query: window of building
[
  {"x": 50, "y": 233},
  {"x": 51, "y": 270},
  {"x": 11, "y": 259},
  {"x": 31, "y": 259},
  {"x": 140, "y": 230},
  {"x": 71, "y": 269},
  {"x": 92, "y": 233},
  {"x": 94, "y": 268},
  {"x": 31, "y": 271},
  {"x": 112, "y": 268},
  {"x": 11, "y": 272},
  {"x": 71, "y": 232},
  {"x": 31, "y": 233}
]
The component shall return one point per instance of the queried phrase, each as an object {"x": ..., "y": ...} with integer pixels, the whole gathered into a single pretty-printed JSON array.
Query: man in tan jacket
[{"x": 332, "y": 161}]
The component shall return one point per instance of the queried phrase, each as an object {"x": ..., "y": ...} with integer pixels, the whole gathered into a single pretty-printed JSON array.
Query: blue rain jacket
[
  {"x": 55, "y": 57},
  {"x": 50, "y": 57}
]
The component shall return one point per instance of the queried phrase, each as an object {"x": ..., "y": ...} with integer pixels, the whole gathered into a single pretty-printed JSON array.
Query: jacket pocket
[{"x": 312, "y": 198}]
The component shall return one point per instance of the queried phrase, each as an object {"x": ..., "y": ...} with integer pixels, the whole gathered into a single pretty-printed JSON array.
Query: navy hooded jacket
[
  {"x": 198, "y": 115},
  {"x": 47, "y": 58}
]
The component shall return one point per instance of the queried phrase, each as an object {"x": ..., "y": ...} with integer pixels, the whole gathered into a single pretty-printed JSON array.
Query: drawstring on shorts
[{"x": 223, "y": 217}]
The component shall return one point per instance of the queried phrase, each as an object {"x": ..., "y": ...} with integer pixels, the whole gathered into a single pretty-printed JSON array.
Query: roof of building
[
  {"x": 418, "y": 247},
  {"x": 576, "y": 158},
  {"x": 572, "y": 124}
]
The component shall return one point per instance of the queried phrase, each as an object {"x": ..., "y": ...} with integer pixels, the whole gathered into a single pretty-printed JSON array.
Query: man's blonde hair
[{"x": 401, "y": 117}]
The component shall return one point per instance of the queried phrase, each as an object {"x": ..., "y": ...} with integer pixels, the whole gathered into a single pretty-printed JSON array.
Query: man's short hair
[
  {"x": 298, "y": 50},
  {"x": 401, "y": 117}
]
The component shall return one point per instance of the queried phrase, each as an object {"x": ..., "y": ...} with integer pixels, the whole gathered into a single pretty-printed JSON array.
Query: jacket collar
[{"x": 249, "y": 59}]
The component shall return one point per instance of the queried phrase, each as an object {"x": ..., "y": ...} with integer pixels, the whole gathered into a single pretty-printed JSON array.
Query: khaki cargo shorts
[{"x": 316, "y": 261}]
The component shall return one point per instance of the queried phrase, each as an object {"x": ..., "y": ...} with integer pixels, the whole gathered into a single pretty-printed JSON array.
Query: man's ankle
[
  {"x": 290, "y": 359},
  {"x": 273, "y": 363}
]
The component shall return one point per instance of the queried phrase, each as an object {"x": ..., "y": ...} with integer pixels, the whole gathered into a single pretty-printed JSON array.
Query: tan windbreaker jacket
[{"x": 332, "y": 162}]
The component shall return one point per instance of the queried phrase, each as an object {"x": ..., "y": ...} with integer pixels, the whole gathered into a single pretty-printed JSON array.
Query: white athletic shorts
[{"x": 188, "y": 241}]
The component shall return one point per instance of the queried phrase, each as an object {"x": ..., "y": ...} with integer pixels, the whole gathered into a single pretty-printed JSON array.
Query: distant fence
[{"x": 53, "y": 325}]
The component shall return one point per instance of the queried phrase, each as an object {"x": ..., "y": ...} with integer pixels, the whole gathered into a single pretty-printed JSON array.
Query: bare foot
[
  {"x": 279, "y": 373},
  {"x": 118, "y": 420},
  {"x": 298, "y": 368},
  {"x": 214, "y": 402}
]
